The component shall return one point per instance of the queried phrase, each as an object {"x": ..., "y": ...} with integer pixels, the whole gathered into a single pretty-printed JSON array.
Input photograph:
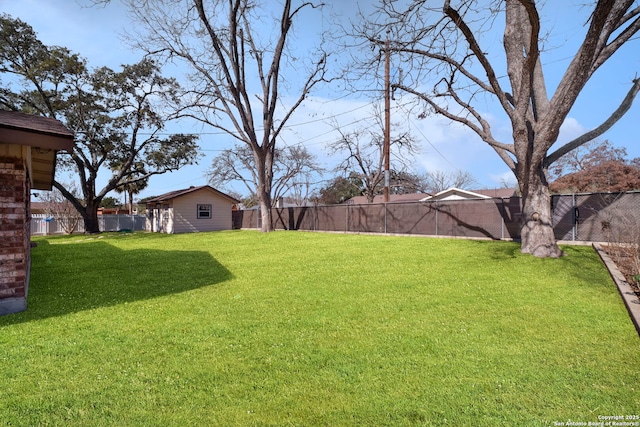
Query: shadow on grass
[
  {"x": 69, "y": 278},
  {"x": 581, "y": 261},
  {"x": 499, "y": 250},
  {"x": 586, "y": 265}
]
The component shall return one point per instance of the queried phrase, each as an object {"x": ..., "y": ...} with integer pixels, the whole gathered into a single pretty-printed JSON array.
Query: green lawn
[{"x": 307, "y": 329}]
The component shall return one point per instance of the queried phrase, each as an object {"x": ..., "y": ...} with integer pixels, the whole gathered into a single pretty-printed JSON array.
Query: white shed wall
[{"x": 185, "y": 218}]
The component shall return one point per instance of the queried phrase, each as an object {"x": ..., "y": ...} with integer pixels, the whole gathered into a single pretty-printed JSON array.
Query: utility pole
[{"x": 387, "y": 121}]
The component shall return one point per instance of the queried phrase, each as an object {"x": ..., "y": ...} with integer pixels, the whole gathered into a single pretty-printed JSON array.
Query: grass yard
[{"x": 243, "y": 328}]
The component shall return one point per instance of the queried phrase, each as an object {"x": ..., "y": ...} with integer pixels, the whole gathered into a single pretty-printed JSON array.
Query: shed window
[{"x": 204, "y": 211}]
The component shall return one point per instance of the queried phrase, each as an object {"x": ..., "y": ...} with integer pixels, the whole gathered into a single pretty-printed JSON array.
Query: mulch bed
[{"x": 624, "y": 256}]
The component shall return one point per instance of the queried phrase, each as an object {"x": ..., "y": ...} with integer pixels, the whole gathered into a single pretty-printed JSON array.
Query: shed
[
  {"x": 190, "y": 210},
  {"x": 28, "y": 148}
]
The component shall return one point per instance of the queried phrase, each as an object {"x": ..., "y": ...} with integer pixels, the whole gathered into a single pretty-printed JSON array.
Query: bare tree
[
  {"x": 363, "y": 153},
  {"x": 301, "y": 192},
  {"x": 58, "y": 207},
  {"x": 445, "y": 45},
  {"x": 596, "y": 166},
  {"x": 438, "y": 181},
  {"x": 586, "y": 156},
  {"x": 293, "y": 170},
  {"x": 241, "y": 68},
  {"x": 405, "y": 182}
]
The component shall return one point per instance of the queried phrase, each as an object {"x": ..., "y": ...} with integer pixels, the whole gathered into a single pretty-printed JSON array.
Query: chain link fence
[{"x": 597, "y": 217}]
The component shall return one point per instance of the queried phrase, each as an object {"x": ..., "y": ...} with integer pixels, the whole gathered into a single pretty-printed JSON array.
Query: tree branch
[
  {"x": 625, "y": 105},
  {"x": 477, "y": 51}
]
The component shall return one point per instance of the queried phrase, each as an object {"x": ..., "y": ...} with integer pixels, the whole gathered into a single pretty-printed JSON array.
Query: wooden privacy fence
[{"x": 577, "y": 217}]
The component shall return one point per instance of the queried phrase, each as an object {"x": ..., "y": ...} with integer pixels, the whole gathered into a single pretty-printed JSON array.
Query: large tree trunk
[
  {"x": 264, "y": 166},
  {"x": 537, "y": 223},
  {"x": 264, "y": 199},
  {"x": 89, "y": 212},
  {"x": 90, "y": 217}
]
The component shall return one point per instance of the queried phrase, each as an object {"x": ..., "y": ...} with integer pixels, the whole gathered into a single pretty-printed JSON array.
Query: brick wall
[{"x": 14, "y": 235}]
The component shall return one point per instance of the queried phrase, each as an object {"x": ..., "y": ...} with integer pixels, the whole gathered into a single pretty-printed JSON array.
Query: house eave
[
  {"x": 43, "y": 137},
  {"x": 465, "y": 194}
]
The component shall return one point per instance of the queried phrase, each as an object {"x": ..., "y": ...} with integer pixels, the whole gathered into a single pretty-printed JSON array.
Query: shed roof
[
  {"x": 179, "y": 193},
  {"x": 46, "y": 135}
]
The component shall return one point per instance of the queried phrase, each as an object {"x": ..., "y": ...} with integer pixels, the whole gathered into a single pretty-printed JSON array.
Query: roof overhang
[
  {"x": 44, "y": 136},
  {"x": 36, "y": 139},
  {"x": 43, "y": 168}
]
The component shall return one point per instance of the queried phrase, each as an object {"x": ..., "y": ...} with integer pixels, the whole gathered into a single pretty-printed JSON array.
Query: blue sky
[{"x": 94, "y": 33}]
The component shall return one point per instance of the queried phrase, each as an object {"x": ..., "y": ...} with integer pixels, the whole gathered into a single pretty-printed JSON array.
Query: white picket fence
[{"x": 43, "y": 225}]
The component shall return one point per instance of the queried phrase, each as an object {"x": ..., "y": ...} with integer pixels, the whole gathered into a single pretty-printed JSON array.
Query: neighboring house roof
[
  {"x": 45, "y": 135},
  {"x": 393, "y": 198},
  {"x": 37, "y": 207},
  {"x": 497, "y": 193},
  {"x": 179, "y": 193},
  {"x": 448, "y": 194},
  {"x": 113, "y": 211},
  {"x": 459, "y": 194},
  {"x": 290, "y": 202}
]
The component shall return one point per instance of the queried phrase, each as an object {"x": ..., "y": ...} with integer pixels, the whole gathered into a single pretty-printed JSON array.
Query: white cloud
[
  {"x": 92, "y": 32},
  {"x": 570, "y": 130},
  {"x": 507, "y": 177}
]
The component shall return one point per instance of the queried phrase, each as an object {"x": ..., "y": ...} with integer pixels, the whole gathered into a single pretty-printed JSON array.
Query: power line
[
  {"x": 288, "y": 126},
  {"x": 428, "y": 141}
]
